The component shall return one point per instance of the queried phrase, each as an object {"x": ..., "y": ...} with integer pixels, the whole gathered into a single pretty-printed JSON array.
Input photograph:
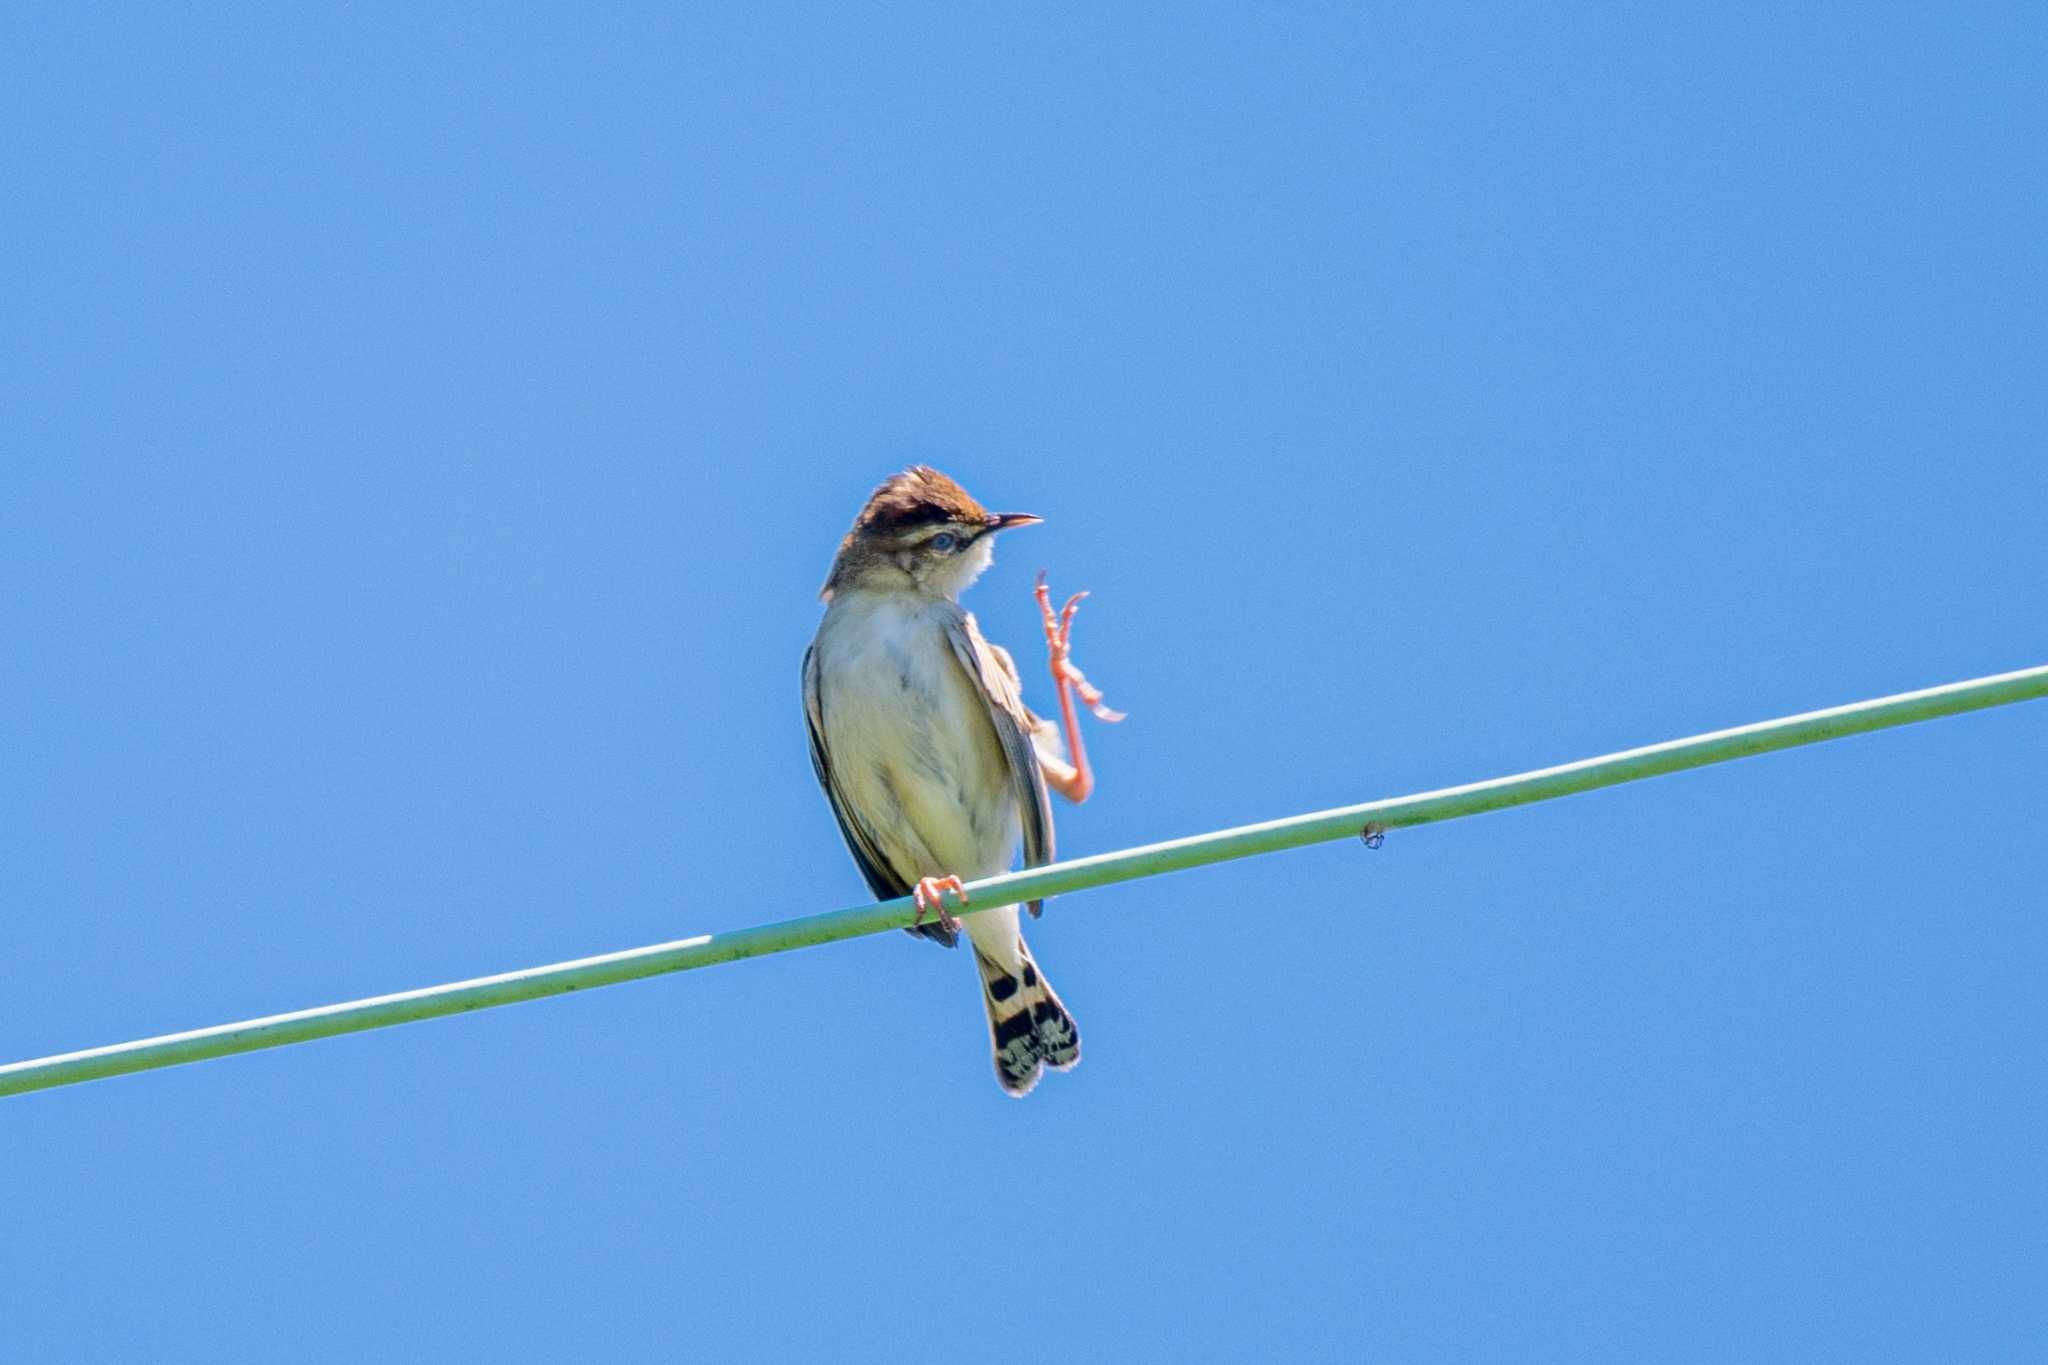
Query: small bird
[{"x": 922, "y": 742}]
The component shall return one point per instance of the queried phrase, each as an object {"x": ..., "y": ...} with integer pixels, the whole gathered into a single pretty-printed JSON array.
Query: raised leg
[
  {"x": 929, "y": 893},
  {"x": 1078, "y": 781}
]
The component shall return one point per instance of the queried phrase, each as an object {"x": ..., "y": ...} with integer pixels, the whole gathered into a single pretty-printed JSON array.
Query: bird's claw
[
  {"x": 929, "y": 893},
  {"x": 1059, "y": 632}
]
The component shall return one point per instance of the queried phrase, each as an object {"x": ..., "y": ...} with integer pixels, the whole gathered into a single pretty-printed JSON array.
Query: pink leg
[
  {"x": 929, "y": 893},
  {"x": 1068, "y": 679}
]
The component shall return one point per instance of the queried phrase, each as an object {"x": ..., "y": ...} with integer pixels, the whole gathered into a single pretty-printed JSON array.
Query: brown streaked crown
[
  {"x": 904, "y": 503},
  {"x": 919, "y": 496}
]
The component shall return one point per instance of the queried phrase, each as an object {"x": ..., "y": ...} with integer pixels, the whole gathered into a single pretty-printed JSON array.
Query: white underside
[{"x": 913, "y": 749}]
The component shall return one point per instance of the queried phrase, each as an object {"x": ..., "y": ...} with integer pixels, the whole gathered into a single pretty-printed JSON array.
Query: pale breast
[{"x": 910, "y": 740}]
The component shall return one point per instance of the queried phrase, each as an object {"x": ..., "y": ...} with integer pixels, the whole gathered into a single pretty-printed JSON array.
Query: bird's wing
[
  {"x": 995, "y": 676},
  {"x": 883, "y": 880}
]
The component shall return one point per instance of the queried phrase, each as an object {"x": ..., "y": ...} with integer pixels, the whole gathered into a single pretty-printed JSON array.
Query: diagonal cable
[{"x": 609, "y": 969}]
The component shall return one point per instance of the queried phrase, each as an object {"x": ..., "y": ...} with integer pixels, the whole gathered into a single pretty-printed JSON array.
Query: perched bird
[{"x": 921, "y": 740}]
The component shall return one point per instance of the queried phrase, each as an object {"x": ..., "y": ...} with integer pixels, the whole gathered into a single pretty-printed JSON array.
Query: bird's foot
[
  {"x": 929, "y": 893},
  {"x": 1059, "y": 633}
]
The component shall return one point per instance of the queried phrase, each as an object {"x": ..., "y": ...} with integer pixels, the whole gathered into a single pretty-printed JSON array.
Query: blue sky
[{"x": 425, "y": 433}]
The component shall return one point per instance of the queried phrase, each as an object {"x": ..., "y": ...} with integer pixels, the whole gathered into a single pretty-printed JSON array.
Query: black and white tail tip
[{"x": 1028, "y": 1026}]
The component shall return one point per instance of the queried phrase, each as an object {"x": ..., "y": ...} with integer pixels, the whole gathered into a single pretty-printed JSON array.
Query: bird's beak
[{"x": 1006, "y": 520}]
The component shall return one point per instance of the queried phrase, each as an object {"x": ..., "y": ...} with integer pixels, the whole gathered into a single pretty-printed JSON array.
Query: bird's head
[{"x": 919, "y": 532}]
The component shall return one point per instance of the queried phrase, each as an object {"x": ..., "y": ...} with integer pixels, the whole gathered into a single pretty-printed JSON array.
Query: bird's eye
[{"x": 944, "y": 540}]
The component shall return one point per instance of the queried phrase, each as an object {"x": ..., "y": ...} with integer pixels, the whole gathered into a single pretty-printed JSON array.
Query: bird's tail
[{"x": 1027, "y": 1024}]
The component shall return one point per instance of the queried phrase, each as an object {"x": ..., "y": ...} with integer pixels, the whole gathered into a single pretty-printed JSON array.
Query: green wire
[{"x": 1056, "y": 879}]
